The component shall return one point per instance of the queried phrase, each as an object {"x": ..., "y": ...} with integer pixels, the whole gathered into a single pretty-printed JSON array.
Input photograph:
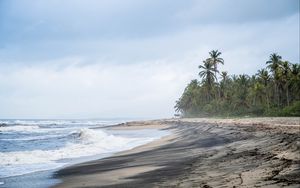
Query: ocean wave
[
  {"x": 7, "y": 171},
  {"x": 68, "y": 145},
  {"x": 26, "y": 128},
  {"x": 35, "y": 129},
  {"x": 91, "y": 136},
  {"x": 91, "y": 142},
  {"x": 32, "y": 138},
  {"x": 76, "y": 133},
  {"x": 58, "y": 122}
]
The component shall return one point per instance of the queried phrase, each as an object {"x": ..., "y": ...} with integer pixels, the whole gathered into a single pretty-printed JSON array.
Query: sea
[{"x": 32, "y": 150}]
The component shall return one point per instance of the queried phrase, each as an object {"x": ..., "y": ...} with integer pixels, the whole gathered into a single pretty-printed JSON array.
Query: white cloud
[{"x": 96, "y": 90}]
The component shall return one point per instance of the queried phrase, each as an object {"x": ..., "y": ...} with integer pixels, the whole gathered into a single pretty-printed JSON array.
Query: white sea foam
[
  {"x": 34, "y": 129},
  {"x": 91, "y": 143},
  {"x": 17, "y": 170},
  {"x": 59, "y": 122},
  {"x": 21, "y": 128},
  {"x": 31, "y": 138},
  {"x": 78, "y": 143}
]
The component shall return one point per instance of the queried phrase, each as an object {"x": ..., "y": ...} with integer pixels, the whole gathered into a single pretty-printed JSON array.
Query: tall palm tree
[
  {"x": 207, "y": 74},
  {"x": 258, "y": 93},
  {"x": 274, "y": 66},
  {"x": 286, "y": 71},
  {"x": 295, "y": 81},
  {"x": 274, "y": 62},
  {"x": 264, "y": 78},
  {"x": 242, "y": 86},
  {"x": 223, "y": 84},
  {"x": 214, "y": 59}
]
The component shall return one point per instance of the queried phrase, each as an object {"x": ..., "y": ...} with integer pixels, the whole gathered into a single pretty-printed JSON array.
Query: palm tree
[
  {"x": 274, "y": 65},
  {"x": 286, "y": 70},
  {"x": 295, "y": 80},
  {"x": 264, "y": 78},
  {"x": 214, "y": 59},
  {"x": 208, "y": 76},
  {"x": 188, "y": 100},
  {"x": 223, "y": 84},
  {"x": 258, "y": 93},
  {"x": 274, "y": 62},
  {"x": 242, "y": 86},
  {"x": 224, "y": 75}
]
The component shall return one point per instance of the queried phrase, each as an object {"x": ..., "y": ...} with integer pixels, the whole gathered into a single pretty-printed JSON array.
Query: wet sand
[{"x": 252, "y": 152}]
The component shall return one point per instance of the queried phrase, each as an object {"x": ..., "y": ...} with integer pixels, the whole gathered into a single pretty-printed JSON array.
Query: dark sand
[{"x": 200, "y": 153}]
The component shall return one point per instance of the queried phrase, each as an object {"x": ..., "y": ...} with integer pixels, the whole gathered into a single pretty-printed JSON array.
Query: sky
[{"x": 129, "y": 58}]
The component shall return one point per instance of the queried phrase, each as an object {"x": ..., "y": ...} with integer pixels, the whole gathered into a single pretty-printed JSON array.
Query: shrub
[{"x": 293, "y": 110}]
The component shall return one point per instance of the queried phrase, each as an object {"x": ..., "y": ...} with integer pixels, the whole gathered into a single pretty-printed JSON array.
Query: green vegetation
[{"x": 273, "y": 91}]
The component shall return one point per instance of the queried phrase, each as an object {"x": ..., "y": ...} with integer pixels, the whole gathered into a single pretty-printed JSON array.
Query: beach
[
  {"x": 200, "y": 152},
  {"x": 149, "y": 94}
]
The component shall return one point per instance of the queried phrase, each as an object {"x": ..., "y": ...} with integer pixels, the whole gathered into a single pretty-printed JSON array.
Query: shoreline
[
  {"x": 201, "y": 152},
  {"x": 43, "y": 177}
]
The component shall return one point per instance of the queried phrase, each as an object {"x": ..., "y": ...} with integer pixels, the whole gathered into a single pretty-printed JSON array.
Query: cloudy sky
[{"x": 129, "y": 58}]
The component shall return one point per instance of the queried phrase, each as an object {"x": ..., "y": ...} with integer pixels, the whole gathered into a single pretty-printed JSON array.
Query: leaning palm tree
[
  {"x": 188, "y": 100},
  {"x": 207, "y": 74}
]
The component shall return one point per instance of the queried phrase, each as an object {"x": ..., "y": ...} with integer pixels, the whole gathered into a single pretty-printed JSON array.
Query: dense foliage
[{"x": 273, "y": 91}]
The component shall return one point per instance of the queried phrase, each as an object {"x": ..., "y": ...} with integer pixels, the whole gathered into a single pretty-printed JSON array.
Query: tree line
[{"x": 272, "y": 91}]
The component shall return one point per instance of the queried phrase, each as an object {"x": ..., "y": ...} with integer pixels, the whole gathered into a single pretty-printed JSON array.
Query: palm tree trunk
[
  {"x": 287, "y": 94},
  {"x": 267, "y": 96},
  {"x": 267, "y": 99},
  {"x": 208, "y": 94},
  {"x": 219, "y": 93},
  {"x": 277, "y": 92},
  {"x": 268, "y": 103}
]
